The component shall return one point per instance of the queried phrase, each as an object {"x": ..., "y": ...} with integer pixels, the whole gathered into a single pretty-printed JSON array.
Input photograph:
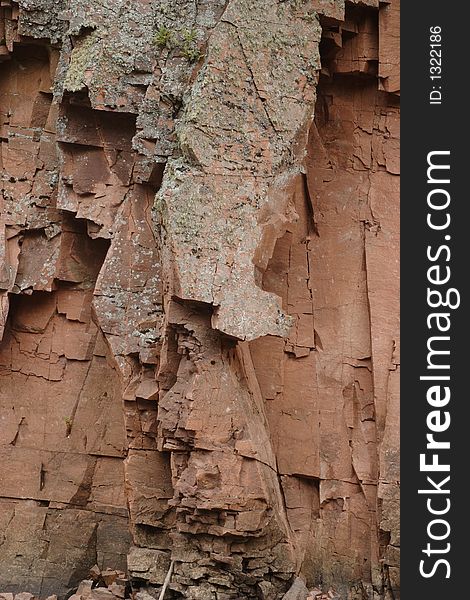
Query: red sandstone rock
[{"x": 199, "y": 298}]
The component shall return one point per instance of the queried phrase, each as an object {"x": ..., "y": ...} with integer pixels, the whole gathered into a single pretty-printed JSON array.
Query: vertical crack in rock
[
  {"x": 199, "y": 296},
  {"x": 327, "y": 384}
]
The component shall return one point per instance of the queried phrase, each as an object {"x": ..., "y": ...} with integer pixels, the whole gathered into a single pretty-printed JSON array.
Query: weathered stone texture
[{"x": 199, "y": 298}]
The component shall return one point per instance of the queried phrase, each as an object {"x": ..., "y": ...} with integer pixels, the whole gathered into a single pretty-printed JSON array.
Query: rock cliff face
[{"x": 199, "y": 296}]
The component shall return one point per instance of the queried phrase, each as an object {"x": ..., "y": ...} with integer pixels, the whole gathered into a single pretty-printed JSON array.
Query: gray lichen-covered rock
[
  {"x": 298, "y": 591},
  {"x": 148, "y": 564},
  {"x": 242, "y": 134}
]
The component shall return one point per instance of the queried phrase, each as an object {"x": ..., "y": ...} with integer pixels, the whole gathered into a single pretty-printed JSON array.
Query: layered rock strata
[{"x": 199, "y": 296}]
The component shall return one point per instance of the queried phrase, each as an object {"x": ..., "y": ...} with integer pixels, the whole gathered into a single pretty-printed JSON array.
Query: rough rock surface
[{"x": 199, "y": 297}]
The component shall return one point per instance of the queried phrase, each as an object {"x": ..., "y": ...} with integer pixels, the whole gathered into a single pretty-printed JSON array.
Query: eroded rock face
[{"x": 199, "y": 296}]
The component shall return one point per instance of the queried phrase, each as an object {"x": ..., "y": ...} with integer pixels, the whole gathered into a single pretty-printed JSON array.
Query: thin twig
[{"x": 167, "y": 580}]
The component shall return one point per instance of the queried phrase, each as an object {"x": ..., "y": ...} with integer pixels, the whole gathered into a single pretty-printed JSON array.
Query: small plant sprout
[
  {"x": 163, "y": 37},
  {"x": 189, "y": 47},
  {"x": 68, "y": 426}
]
